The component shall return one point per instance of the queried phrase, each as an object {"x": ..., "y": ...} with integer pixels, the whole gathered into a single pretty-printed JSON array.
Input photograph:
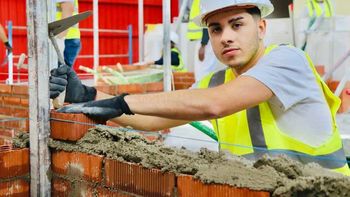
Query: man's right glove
[
  {"x": 8, "y": 47},
  {"x": 65, "y": 77}
]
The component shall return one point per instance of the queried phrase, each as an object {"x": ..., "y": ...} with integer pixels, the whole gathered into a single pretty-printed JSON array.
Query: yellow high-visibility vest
[
  {"x": 254, "y": 131},
  {"x": 181, "y": 66},
  {"x": 194, "y": 32},
  {"x": 73, "y": 32},
  {"x": 316, "y": 10}
]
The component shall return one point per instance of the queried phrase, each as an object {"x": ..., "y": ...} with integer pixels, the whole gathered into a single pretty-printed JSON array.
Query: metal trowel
[{"x": 56, "y": 27}]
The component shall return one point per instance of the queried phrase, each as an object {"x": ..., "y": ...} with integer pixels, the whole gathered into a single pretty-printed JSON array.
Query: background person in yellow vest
[
  {"x": 4, "y": 39},
  {"x": 72, "y": 44},
  {"x": 176, "y": 59},
  {"x": 268, "y": 100},
  {"x": 205, "y": 61}
]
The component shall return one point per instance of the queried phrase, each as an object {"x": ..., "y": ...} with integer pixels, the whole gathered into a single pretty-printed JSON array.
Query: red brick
[
  {"x": 65, "y": 188},
  {"x": 320, "y": 69},
  {"x": 154, "y": 87},
  {"x": 14, "y": 163},
  {"x": 20, "y": 89},
  {"x": 74, "y": 129},
  {"x": 11, "y": 100},
  {"x": 77, "y": 164},
  {"x": 131, "y": 88},
  {"x": 138, "y": 180},
  {"x": 6, "y": 89},
  {"x": 24, "y": 102},
  {"x": 188, "y": 186},
  {"x": 6, "y": 132},
  {"x": 182, "y": 85},
  {"x": 14, "y": 188},
  {"x": 101, "y": 192},
  {"x": 332, "y": 84},
  {"x": 60, "y": 187},
  {"x": 345, "y": 99}
]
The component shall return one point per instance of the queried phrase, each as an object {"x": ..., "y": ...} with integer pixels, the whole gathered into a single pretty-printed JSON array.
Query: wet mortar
[{"x": 280, "y": 176}]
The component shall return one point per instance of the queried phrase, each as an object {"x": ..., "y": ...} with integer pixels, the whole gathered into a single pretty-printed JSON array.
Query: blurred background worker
[
  {"x": 72, "y": 44},
  {"x": 177, "y": 63},
  {"x": 4, "y": 39},
  {"x": 205, "y": 62},
  {"x": 317, "y": 11}
]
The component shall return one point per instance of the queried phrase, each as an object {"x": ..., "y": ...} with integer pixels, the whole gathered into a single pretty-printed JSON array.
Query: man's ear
[{"x": 261, "y": 28}]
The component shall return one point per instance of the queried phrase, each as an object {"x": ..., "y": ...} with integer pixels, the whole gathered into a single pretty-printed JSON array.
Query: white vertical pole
[
  {"x": 96, "y": 38},
  {"x": 141, "y": 38},
  {"x": 39, "y": 122},
  {"x": 166, "y": 46}
]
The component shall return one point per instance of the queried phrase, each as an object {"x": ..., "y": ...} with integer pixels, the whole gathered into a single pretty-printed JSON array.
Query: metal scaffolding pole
[
  {"x": 141, "y": 47},
  {"x": 39, "y": 107},
  {"x": 166, "y": 46},
  {"x": 96, "y": 38}
]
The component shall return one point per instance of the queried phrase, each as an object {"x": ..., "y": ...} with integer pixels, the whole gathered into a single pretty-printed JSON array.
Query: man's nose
[{"x": 227, "y": 36}]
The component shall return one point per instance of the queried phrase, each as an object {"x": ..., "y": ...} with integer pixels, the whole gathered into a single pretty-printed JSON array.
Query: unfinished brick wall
[
  {"x": 89, "y": 175},
  {"x": 183, "y": 80},
  {"x": 14, "y": 172},
  {"x": 13, "y": 104}
]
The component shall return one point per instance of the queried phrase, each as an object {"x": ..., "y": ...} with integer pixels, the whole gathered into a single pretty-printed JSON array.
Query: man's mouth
[{"x": 230, "y": 51}]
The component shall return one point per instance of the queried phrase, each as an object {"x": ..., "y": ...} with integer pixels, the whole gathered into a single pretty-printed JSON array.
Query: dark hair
[{"x": 255, "y": 12}]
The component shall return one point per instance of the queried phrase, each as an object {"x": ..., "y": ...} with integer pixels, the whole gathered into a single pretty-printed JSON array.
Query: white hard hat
[
  {"x": 174, "y": 37},
  {"x": 209, "y": 6}
]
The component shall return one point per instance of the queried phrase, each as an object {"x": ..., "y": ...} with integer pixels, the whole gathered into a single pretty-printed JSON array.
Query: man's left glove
[
  {"x": 102, "y": 109},
  {"x": 8, "y": 47}
]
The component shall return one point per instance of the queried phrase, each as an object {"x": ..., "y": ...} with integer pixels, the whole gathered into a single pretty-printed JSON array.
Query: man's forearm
[
  {"x": 147, "y": 123},
  {"x": 3, "y": 37}
]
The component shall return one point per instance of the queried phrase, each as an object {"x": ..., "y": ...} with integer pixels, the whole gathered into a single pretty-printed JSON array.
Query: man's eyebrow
[
  {"x": 230, "y": 21},
  {"x": 235, "y": 19},
  {"x": 213, "y": 24}
]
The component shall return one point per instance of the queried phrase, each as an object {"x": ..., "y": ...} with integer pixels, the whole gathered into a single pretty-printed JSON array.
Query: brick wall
[
  {"x": 14, "y": 172},
  {"x": 81, "y": 173},
  {"x": 13, "y": 104}
]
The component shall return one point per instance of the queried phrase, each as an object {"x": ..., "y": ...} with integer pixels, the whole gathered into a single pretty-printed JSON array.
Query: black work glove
[
  {"x": 65, "y": 77},
  {"x": 102, "y": 109},
  {"x": 8, "y": 47}
]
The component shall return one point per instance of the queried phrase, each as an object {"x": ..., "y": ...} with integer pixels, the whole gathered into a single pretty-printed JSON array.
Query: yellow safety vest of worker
[
  {"x": 254, "y": 131},
  {"x": 194, "y": 32},
  {"x": 181, "y": 66},
  {"x": 315, "y": 8},
  {"x": 73, "y": 32}
]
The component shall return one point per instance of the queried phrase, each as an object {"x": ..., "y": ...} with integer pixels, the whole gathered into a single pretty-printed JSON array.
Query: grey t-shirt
[{"x": 298, "y": 104}]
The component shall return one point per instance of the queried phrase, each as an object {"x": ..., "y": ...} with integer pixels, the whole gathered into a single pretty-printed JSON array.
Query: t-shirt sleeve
[{"x": 286, "y": 72}]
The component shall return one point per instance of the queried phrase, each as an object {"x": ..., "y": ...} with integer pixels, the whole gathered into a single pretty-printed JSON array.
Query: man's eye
[
  {"x": 215, "y": 29},
  {"x": 236, "y": 25}
]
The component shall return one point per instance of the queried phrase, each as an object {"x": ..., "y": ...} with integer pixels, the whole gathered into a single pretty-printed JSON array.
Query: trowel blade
[{"x": 59, "y": 26}]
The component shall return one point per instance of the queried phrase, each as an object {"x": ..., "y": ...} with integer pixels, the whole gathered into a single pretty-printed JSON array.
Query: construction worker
[
  {"x": 320, "y": 8},
  {"x": 4, "y": 39},
  {"x": 269, "y": 100},
  {"x": 205, "y": 62},
  {"x": 72, "y": 44},
  {"x": 176, "y": 59}
]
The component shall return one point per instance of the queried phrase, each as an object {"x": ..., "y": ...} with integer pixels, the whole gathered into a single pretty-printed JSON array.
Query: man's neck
[{"x": 260, "y": 52}]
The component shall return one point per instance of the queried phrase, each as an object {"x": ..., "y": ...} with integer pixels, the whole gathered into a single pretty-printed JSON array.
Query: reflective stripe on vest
[
  {"x": 73, "y": 32},
  {"x": 181, "y": 66},
  {"x": 316, "y": 10},
  {"x": 254, "y": 132},
  {"x": 194, "y": 32}
]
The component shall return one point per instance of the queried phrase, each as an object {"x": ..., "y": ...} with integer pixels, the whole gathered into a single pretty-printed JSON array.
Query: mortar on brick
[
  {"x": 279, "y": 176},
  {"x": 21, "y": 140}
]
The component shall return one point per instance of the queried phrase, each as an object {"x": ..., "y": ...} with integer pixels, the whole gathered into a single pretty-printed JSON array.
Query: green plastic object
[{"x": 204, "y": 129}]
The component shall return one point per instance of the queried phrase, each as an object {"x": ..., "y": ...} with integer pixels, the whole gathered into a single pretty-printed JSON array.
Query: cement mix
[{"x": 280, "y": 176}]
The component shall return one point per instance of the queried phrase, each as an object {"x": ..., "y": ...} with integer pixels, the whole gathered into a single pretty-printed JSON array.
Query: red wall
[{"x": 113, "y": 14}]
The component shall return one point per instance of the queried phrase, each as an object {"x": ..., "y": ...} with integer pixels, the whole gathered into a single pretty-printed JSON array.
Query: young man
[{"x": 269, "y": 100}]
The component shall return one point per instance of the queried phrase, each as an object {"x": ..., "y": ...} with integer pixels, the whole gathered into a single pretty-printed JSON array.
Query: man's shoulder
[{"x": 286, "y": 54}]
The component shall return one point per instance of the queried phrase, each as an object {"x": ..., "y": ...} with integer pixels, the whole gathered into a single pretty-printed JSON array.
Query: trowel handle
[{"x": 58, "y": 101}]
